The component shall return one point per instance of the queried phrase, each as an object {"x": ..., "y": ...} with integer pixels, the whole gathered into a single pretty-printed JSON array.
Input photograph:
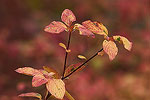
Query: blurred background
[{"x": 24, "y": 43}]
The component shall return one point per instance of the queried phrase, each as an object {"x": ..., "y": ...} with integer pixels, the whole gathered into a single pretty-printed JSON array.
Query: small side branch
[{"x": 83, "y": 63}]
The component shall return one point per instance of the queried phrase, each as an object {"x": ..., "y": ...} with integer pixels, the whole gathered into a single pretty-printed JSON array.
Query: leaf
[
  {"x": 48, "y": 69},
  {"x": 55, "y": 27},
  {"x": 83, "y": 30},
  {"x": 95, "y": 27},
  {"x": 64, "y": 46},
  {"x": 101, "y": 26},
  {"x": 127, "y": 44},
  {"x": 81, "y": 57},
  {"x": 28, "y": 71},
  {"x": 68, "y": 17},
  {"x": 110, "y": 48},
  {"x": 69, "y": 96},
  {"x": 38, "y": 80},
  {"x": 101, "y": 53},
  {"x": 56, "y": 87},
  {"x": 32, "y": 94},
  {"x": 73, "y": 67}
]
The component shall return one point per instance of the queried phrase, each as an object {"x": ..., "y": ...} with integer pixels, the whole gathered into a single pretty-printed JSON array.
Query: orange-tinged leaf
[
  {"x": 56, "y": 87},
  {"x": 49, "y": 70},
  {"x": 101, "y": 26},
  {"x": 95, "y": 27},
  {"x": 81, "y": 57},
  {"x": 38, "y": 80},
  {"x": 32, "y": 94},
  {"x": 55, "y": 27},
  {"x": 101, "y": 53},
  {"x": 83, "y": 30},
  {"x": 64, "y": 46},
  {"x": 28, "y": 71},
  {"x": 110, "y": 48},
  {"x": 73, "y": 67},
  {"x": 127, "y": 44},
  {"x": 68, "y": 17}
]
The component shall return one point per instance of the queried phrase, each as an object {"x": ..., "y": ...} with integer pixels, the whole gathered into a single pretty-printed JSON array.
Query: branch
[
  {"x": 83, "y": 64},
  {"x": 66, "y": 54}
]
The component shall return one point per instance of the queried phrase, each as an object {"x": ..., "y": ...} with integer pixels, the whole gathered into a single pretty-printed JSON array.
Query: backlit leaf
[
  {"x": 55, "y": 27},
  {"x": 28, "y": 71},
  {"x": 48, "y": 69},
  {"x": 38, "y": 80},
  {"x": 68, "y": 17},
  {"x": 127, "y": 44},
  {"x": 64, "y": 46},
  {"x": 95, "y": 27},
  {"x": 56, "y": 87},
  {"x": 81, "y": 57},
  {"x": 32, "y": 94},
  {"x": 73, "y": 67},
  {"x": 83, "y": 30},
  {"x": 110, "y": 48},
  {"x": 101, "y": 26}
]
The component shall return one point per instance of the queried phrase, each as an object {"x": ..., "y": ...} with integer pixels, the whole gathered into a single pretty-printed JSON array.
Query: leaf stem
[
  {"x": 83, "y": 63},
  {"x": 66, "y": 55}
]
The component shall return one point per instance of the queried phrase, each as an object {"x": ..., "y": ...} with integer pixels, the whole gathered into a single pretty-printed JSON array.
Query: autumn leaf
[
  {"x": 101, "y": 53},
  {"x": 73, "y": 67},
  {"x": 49, "y": 70},
  {"x": 101, "y": 26},
  {"x": 67, "y": 94},
  {"x": 64, "y": 46},
  {"x": 56, "y": 87},
  {"x": 38, "y": 80},
  {"x": 55, "y": 27},
  {"x": 95, "y": 27},
  {"x": 127, "y": 44},
  {"x": 32, "y": 94},
  {"x": 110, "y": 48},
  {"x": 28, "y": 71},
  {"x": 83, "y": 30},
  {"x": 81, "y": 57},
  {"x": 68, "y": 17}
]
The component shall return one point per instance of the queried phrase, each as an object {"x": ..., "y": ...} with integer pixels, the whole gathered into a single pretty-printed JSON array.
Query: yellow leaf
[
  {"x": 110, "y": 48},
  {"x": 67, "y": 94},
  {"x": 101, "y": 53},
  {"x": 64, "y": 46},
  {"x": 56, "y": 87},
  {"x": 81, "y": 57},
  {"x": 127, "y": 44},
  {"x": 32, "y": 94}
]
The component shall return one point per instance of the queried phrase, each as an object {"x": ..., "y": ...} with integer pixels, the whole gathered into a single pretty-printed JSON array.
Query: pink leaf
[
  {"x": 28, "y": 71},
  {"x": 68, "y": 17},
  {"x": 83, "y": 30},
  {"x": 32, "y": 94},
  {"x": 110, "y": 48},
  {"x": 55, "y": 27},
  {"x": 38, "y": 80},
  {"x": 56, "y": 87}
]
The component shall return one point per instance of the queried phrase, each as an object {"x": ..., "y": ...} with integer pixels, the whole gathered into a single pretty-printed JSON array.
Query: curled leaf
[
  {"x": 95, "y": 27},
  {"x": 83, "y": 30},
  {"x": 64, "y": 46},
  {"x": 73, "y": 67},
  {"x": 28, "y": 71},
  {"x": 68, "y": 17},
  {"x": 56, "y": 87},
  {"x": 101, "y": 53},
  {"x": 55, "y": 27},
  {"x": 127, "y": 44},
  {"x": 110, "y": 48},
  {"x": 49, "y": 70},
  {"x": 38, "y": 80},
  {"x": 81, "y": 57},
  {"x": 32, "y": 94}
]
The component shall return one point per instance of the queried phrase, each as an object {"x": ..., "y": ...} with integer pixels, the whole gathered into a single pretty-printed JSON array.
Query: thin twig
[
  {"x": 66, "y": 55},
  {"x": 83, "y": 63}
]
